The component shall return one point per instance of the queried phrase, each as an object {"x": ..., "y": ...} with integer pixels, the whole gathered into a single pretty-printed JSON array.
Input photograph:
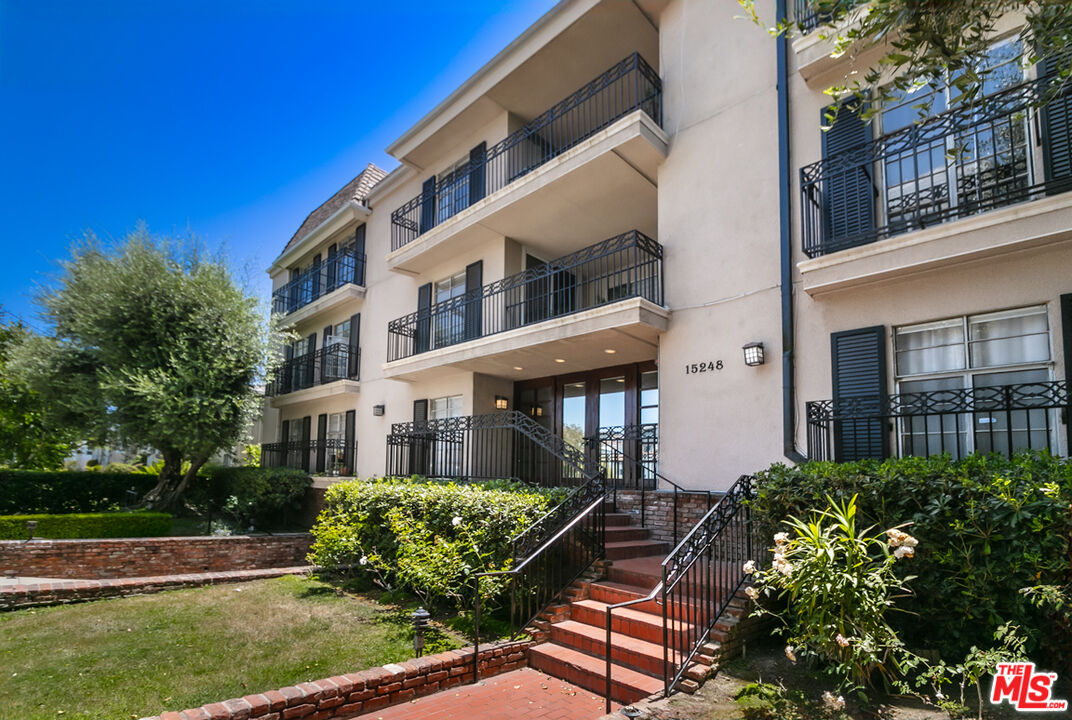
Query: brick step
[
  {"x": 612, "y": 592},
  {"x": 627, "y": 686},
  {"x": 619, "y": 533},
  {"x": 635, "y": 548},
  {"x": 628, "y": 621},
  {"x": 632, "y": 652},
  {"x": 618, "y": 519}
]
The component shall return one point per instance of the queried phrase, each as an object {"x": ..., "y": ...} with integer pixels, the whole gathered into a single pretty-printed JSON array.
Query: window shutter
[
  {"x": 477, "y": 157},
  {"x": 1066, "y": 339},
  {"x": 848, "y": 193},
  {"x": 306, "y": 429},
  {"x": 427, "y": 205},
  {"x": 331, "y": 276},
  {"x": 351, "y": 443},
  {"x": 354, "y": 360},
  {"x": 474, "y": 281},
  {"x": 1056, "y": 127},
  {"x": 316, "y": 278},
  {"x": 285, "y": 429},
  {"x": 310, "y": 362},
  {"x": 424, "y": 318},
  {"x": 420, "y": 441},
  {"x": 321, "y": 440},
  {"x": 858, "y": 362},
  {"x": 420, "y": 411},
  {"x": 359, "y": 255}
]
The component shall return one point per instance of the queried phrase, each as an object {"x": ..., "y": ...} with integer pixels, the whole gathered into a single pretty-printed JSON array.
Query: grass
[{"x": 139, "y": 656}]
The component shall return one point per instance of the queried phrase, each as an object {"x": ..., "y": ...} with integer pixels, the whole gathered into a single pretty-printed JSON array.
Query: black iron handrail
[
  {"x": 326, "y": 365},
  {"x": 626, "y": 266},
  {"x": 633, "y": 468},
  {"x": 332, "y": 456},
  {"x": 343, "y": 268},
  {"x": 630, "y": 85},
  {"x": 996, "y": 412},
  {"x": 952, "y": 175}
]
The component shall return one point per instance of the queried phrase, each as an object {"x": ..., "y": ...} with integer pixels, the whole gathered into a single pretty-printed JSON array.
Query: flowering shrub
[{"x": 837, "y": 583}]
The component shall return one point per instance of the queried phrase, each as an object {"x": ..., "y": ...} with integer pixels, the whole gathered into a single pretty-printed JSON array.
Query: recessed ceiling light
[
  {"x": 621, "y": 380},
  {"x": 610, "y": 351},
  {"x": 559, "y": 360},
  {"x": 518, "y": 367}
]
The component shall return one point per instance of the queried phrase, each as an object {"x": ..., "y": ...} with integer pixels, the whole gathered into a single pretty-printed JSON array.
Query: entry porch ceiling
[{"x": 630, "y": 328}]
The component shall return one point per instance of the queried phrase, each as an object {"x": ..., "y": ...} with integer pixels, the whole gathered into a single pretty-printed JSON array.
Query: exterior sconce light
[
  {"x": 420, "y": 624},
  {"x": 753, "y": 354},
  {"x": 378, "y": 410},
  {"x": 501, "y": 403}
]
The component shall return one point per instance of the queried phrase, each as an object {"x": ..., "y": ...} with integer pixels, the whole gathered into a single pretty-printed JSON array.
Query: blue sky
[{"x": 228, "y": 119}]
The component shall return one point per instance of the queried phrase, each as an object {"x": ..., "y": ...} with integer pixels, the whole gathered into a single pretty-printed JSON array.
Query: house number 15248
[{"x": 702, "y": 367}]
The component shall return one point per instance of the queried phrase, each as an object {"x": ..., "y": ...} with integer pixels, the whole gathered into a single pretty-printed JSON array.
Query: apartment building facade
[{"x": 630, "y": 228}]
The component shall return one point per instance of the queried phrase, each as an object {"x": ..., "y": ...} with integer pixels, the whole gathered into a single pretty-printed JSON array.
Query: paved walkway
[{"x": 524, "y": 694}]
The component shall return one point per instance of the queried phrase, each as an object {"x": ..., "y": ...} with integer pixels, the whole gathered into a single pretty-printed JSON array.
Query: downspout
[{"x": 785, "y": 187}]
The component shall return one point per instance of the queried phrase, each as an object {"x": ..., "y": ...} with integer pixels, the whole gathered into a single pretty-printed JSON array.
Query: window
[
  {"x": 448, "y": 450},
  {"x": 295, "y": 431},
  {"x": 948, "y": 357},
  {"x": 449, "y": 324},
  {"x": 445, "y": 407},
  {"x": 452, "y": 187},
  {"x": 336, "y": 436},
  {"x": 336, "y": 352}
]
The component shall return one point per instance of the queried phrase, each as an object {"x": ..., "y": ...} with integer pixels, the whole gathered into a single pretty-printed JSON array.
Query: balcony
[
  {"x": 1003, "y": 419},
  {"x": 604, "y": 137},
  {"x": 328, "y": 456},
  {"x": 612, "y": 284},
  {"x": 328, "y": 371},
  {"x": 345, "y": 269}
]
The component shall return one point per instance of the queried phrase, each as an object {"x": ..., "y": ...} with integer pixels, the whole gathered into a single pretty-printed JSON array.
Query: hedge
[
  {"x": 87, "y": 525},
  {"x": 266, "y": 498},
  {"x": 29, "y": 491},
  {"x": 987, "y": 526}
]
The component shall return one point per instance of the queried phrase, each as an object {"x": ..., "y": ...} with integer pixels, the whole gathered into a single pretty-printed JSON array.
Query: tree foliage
[
  {"x": 153, "y": 345},
  {"x": 932, "y": 42},
  {"x": 30, "y": 439}
]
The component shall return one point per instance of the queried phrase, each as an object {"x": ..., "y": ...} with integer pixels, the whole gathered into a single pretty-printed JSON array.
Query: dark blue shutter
[
  {"x": 306, "y": 429},
  {"x": 1066, "y": 339},
  {"x": 359, "y": 256},
  {"x": 309, "y": 361},
  {"x": 331, "y": 276},
  {"x": 424, "y": 318},
  {"x": 428, "y": 198},
  {"x": 420, "y": 441},
  {"x": 316, "y": 278},
  {"x": 1056, "y": 126},
  {"x": 321, "y": 440},
  {"x": 477, "y": 157},
  {"x": 858, "y": 362},
  {"x": 474, "y": 281},
  {"x": 351, "y": 444},
  {"x": 284, "y": 444},
  {"x": 848, "y": 191},
  {"x": 353, "y": 366}
]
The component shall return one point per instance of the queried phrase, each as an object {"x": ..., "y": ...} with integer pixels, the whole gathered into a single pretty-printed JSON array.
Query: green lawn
[{"x": 133, "y": 657}]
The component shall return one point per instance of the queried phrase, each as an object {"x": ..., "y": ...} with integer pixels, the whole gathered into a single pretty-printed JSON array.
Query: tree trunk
[{"x": 166, "y": 496}]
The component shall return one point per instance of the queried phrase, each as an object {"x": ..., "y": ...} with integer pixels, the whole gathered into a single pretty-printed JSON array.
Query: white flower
[
  {"x": 456, "y": 521},
  {"x": 749, "y": 567},
  {"x": 789, "y": 653},
  {"x": 910, "y": 541},
  {"x": 904, "y": 551},
  {"x": 834, "y": 703},
  {"x": 939, "y": 695},
  {"x": 781, "y": 538},
  {"x": 751, "y": 592},
  {"x": 782, "y": 566},
  {"x": 842, "y": 640},
  {"x": 363, "y": 560}
]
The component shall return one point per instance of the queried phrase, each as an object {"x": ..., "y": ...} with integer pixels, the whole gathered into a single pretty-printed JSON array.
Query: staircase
[{"x": 576, "y": 636}]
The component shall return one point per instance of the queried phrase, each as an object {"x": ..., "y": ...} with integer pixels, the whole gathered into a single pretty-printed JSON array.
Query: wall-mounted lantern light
[
  {"x": 501, "y": 403},
  {"x": 753, "y": 354},
  {"x": 378, "y": 410}
]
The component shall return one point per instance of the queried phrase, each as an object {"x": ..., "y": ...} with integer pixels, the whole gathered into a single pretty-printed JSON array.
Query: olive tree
[{"x": 153, "y": 344}]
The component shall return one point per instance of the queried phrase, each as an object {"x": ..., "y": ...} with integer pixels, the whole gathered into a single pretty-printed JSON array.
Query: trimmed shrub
[
  {"x": 87, "y": 525},
  {"x": 266, "y": 498},
  {"x": 428, "y": 536},
  {"x": 987, "y": 527},
  {"x": 69, "y": 491}
]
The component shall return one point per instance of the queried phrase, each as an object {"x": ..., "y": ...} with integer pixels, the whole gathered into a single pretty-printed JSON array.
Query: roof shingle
[{"x": 357, "y": 190}]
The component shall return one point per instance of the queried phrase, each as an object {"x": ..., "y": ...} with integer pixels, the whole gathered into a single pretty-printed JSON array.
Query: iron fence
[
  {"x": 967, "y": 160},
  {"x": 326, "y": 365},
  {"x": 326, "y": 456},
  {"x": 1003, "y": 419},
  {"x": 345, "y": 267},
  {"x": 626, "y": 266},
  {"x": 628, "y": 86}
]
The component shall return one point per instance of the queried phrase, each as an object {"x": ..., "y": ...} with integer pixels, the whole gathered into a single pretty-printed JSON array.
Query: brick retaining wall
[
  {"x": 345, "y": 696},
  {"x": 140, "y": 557},
  {"x": 659, "y": 510}
]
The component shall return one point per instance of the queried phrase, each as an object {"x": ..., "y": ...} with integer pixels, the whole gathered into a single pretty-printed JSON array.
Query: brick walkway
[{"x": 518, "y": 695}]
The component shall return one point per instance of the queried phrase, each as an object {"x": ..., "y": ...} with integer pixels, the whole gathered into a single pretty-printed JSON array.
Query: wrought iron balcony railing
[
  {"x": 1003, "y": 419},
  {"x": 326, "y": 365},
  {"x": 345, "y": 267},
  {"x": 626, "y": 266},
  {"x": 326, "y": 456},
  {"x": 630, "y": 85},
  {"x": 965, "y": 161}
]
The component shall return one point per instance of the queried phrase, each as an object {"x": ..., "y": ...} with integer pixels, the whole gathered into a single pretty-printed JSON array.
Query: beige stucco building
[{"x": 591, "y": 229}]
